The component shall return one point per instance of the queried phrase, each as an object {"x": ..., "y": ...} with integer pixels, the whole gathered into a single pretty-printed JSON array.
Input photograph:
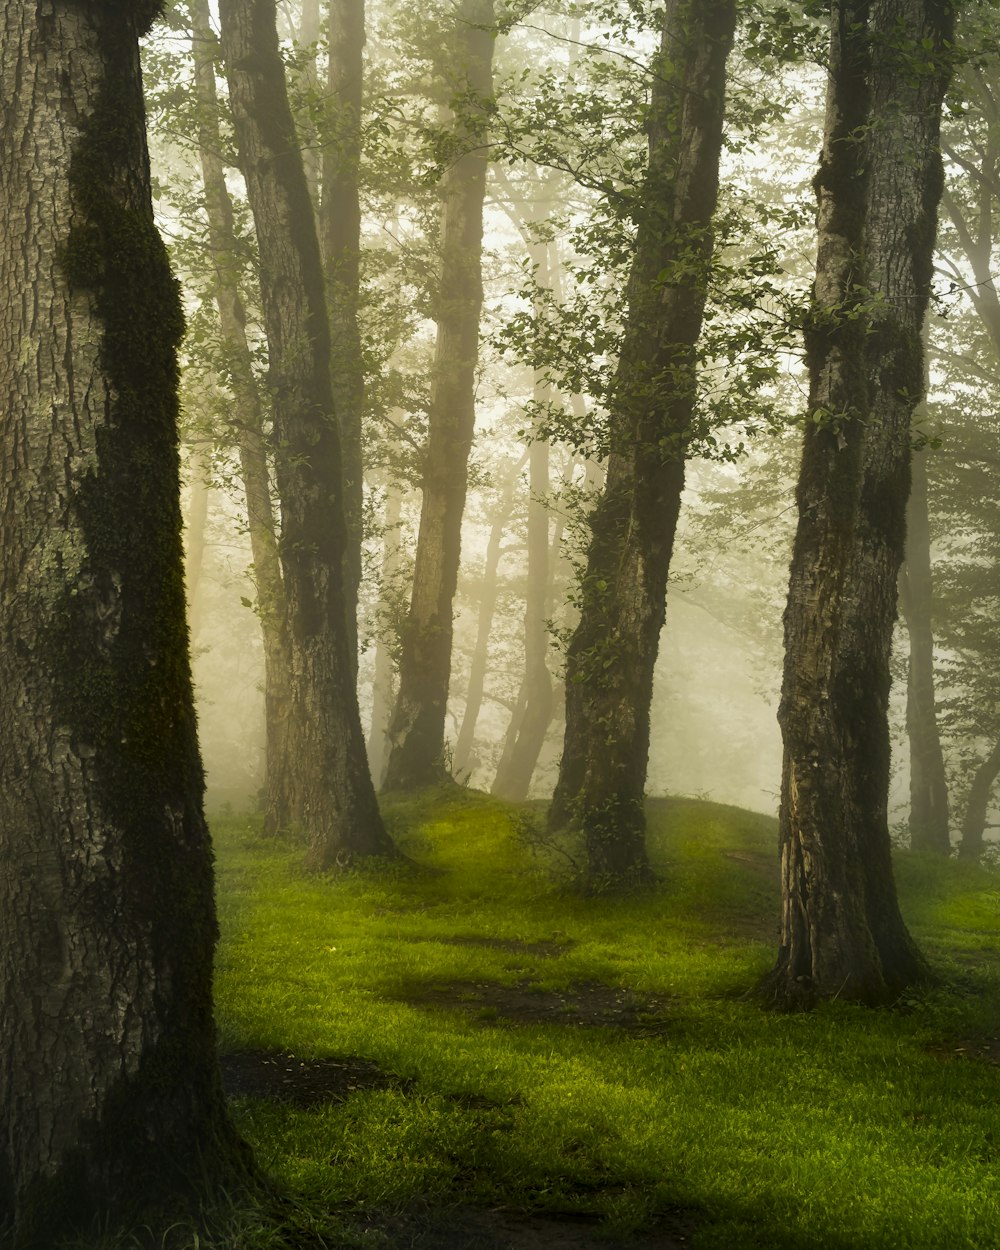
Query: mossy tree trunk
[
  {"x": 416, "y": 732},
  {"x": 928, "y": 782},
  {"x": 249, "y": 428},
  {"x": 610, "y": 659},
  {"x": 340, "y": 240},
  {"x": 332, "y": 796},
  {"x": 877, "y": 188},
  {"x": 109, "y": 1089}
]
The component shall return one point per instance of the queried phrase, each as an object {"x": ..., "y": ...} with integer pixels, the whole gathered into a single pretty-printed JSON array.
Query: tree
[
  {"x": 332, "y": 796},
  {"x": 340, "y": 241},
  {"x": 928, "y": 782},
  {"x": 249, "y": 423},
  {"x": 610, "y": 659},
  {"x": 416, "y": 731},
  {"x": 877, "y": 188},
  {"x": 109, "y": 1090}
]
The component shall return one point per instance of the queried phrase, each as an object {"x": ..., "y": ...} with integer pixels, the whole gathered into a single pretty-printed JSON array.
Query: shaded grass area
[{"x": 594, "y": 1061}]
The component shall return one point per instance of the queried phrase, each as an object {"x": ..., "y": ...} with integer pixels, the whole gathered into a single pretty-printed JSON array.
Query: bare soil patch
[
  {"x": 469, "y": 1228},
  {"x": 581, "y": 1004},
  {"x": 304, "y": 1083},
  {"x": 984, "y": 1050}
]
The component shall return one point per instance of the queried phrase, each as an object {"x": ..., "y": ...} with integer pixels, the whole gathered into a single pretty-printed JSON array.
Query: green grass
[{"x": 843, "y": 1127}]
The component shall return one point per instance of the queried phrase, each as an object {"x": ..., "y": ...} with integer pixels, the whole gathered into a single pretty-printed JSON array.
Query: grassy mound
[{"x": 470, "y": 1034}]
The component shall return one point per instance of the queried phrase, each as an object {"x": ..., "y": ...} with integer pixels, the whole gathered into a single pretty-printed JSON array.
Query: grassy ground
[{"x": 594, "y": 1061}]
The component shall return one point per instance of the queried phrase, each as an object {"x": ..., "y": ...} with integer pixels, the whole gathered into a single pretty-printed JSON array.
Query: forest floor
[{"x": 464, "y": 1052}]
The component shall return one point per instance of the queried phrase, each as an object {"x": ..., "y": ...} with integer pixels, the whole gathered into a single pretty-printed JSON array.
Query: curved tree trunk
[
  {"x": 340, "y": 240},
  {"x": 928, "y": 783},
  {"x": 610, "y": 660},
  {"x": 974, "y": 823},
  {"x": 109, "y": 1090},
  {"x": 332, "y": 796},
  {"x": 416, "y": 733},
  {"x": 878, "y": 188},
  {"x": 249, "y": 429}
]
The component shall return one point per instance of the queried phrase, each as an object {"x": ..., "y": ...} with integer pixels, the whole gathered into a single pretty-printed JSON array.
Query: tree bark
[
  {"x": 878, "y": 187},
  {"x": 928, "y": 783},
  {"x": 109, "y": 1090},
  {"x": 249, "y": 424},
  {"x": 340, "y": 239},
  {"x": 610, "y": 659},
  {"x": 974, "y": 822},
  {"x": 416, "y": 733},
  {"x": 332, "y": 796}
]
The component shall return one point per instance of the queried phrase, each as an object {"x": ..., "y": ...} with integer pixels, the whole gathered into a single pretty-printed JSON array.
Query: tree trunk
[
  {"x": 332, "y": 796},
  {"x": 974, "y": 824},
  {"x": 610, "y": 660},
  {"x": 249, "y": 428},
  {"x": 487, "y": 607},
  {"x": 527, "y": 731},
  {"x": 340, "y": 238},
  {"x": 928, "y": 783},
  {"x": 416, "y": 734},
  {"x": 382, "y": 681},
  {"x": 109, "y": 1090},
  {"x": 878, "y": 186}
]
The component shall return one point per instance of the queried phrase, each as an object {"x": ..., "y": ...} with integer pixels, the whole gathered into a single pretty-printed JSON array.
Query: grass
[{"x": 843, "y": 1127}]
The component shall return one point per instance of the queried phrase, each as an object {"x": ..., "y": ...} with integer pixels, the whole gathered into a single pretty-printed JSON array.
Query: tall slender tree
[
  {"x": 878, "y": 188},
  {"x": 340, "y": 243},
  {"x": 610, "y": 660},
  {"x": 109, "y": 1088},
  {"x": 332, "y": 796},
  {"x": 416, "y": 732},
  {"x": 249, "y": 423}
]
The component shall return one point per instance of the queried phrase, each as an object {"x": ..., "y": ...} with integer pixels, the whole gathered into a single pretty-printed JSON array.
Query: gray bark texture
[
  {"x": 340, "y": 240},
  {"x": 331, "y": 792},
  {"x": 109, "y": 1090},
  {"x": 249, "y": 425},
  {"x": 416, "y": 732},
  {"x": 611, "y": 656},
  {"x": 877, "y": 188}
]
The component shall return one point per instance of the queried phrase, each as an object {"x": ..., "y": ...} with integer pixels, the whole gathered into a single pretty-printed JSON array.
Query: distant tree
[
  {"x": 416, "y": 731},
  {"x": 610, "y": 660},
  {"x": 929, "y": 829},
  {"x": 962, "y": 474},
  {"x": 878, "y": 187},
  {"x": 331, "y": 792},
  {"x": 109, "y": 1089}
]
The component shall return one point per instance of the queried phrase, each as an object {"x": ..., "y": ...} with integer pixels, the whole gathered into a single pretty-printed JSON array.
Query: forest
[{"x": 499, "y": 625}]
